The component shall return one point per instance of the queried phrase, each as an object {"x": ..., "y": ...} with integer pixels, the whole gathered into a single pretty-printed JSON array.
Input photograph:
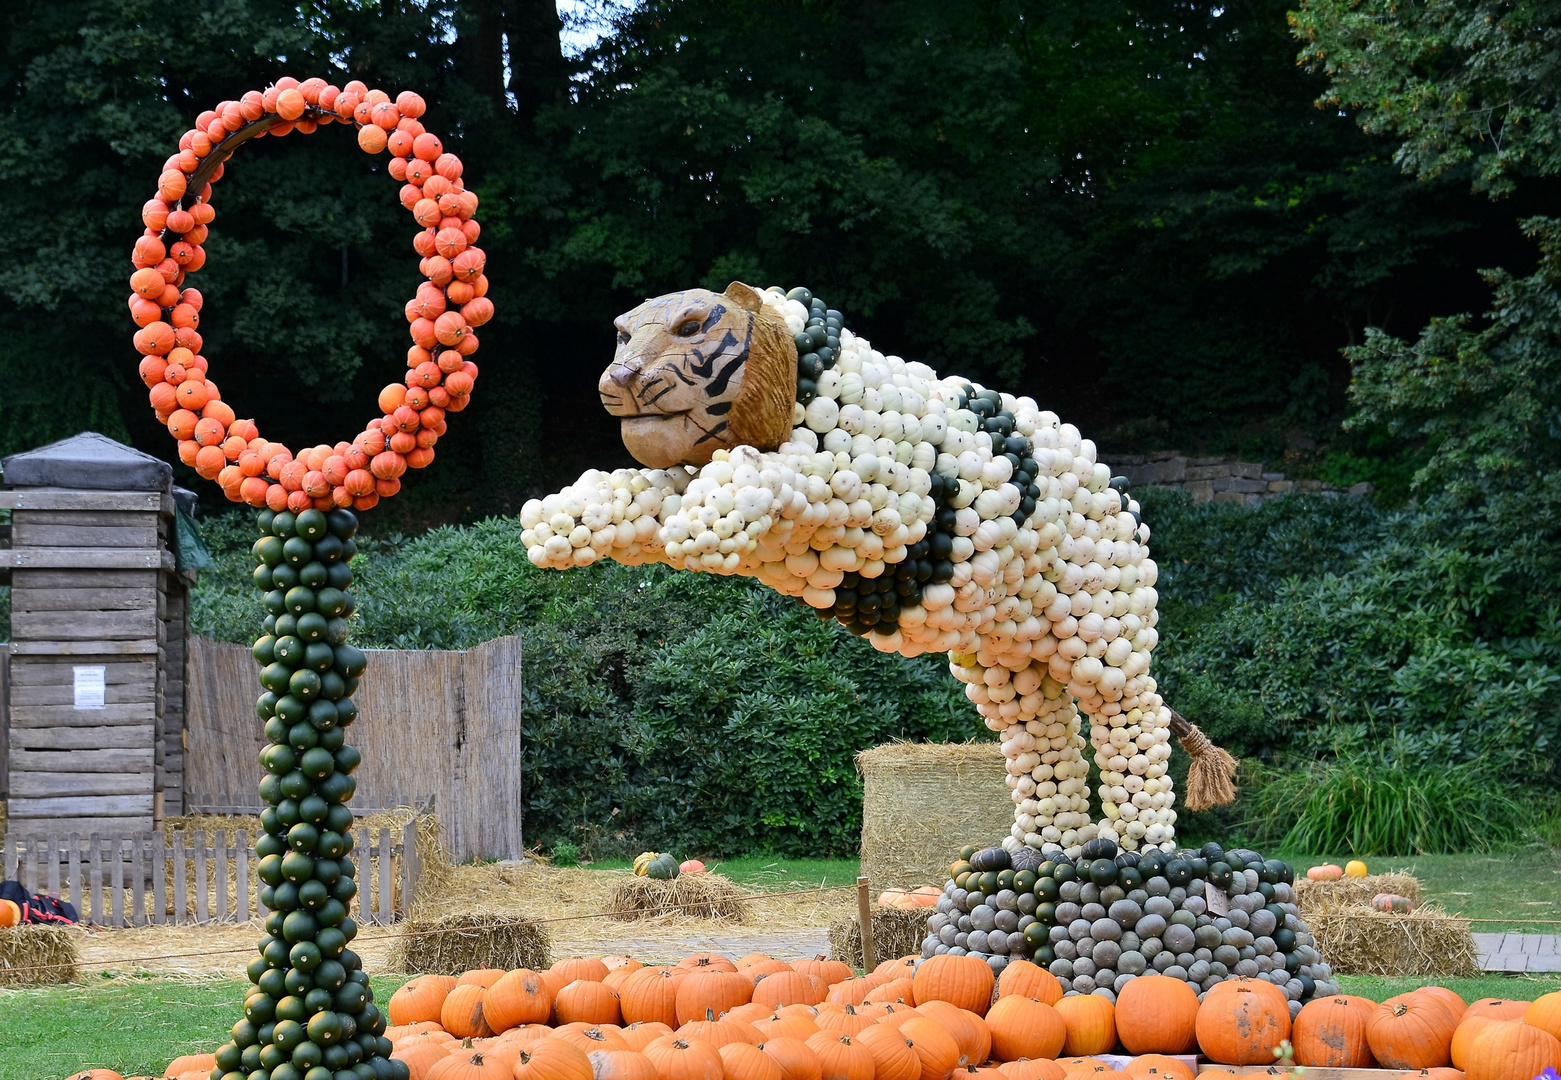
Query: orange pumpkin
[
  {"x": 1442, "y": 1073},
  {"x": 962, "y": 981},
  {"x": 978, "y": 1072},
  {"x": 893, "y": 1056},
  {"x": 651, "y": 994},
  {"x": 1463, "y": 1039},
  {"x": 796, "y": 1059},
  {"x": 97, "y": 1074},
  {"x": 1510, "y": 1049},
  {"x": 1325, "y": 872},
  {"x": 901, "y": 967},
  {"x": 844, "y": 1019},
  {"x": 777, "y": 988},
  {"x": 639, "y": 1036},
  {"x": 892, "y": 1014},
  {"x": 552, "y": 1059},
  {"x": 970, "y": 1032},
  {"x": 1025, "y": 1027},
  {"x": 1029, "y": 980},
  {"x": 470, "y": 1065},
  {"x": 751, "y": 1013},
  {"x": 191, "y": 1062},
  {"x": 706, "y": 962},
  {"x": 588, "y": 968},
  {"x": 1032, "y": 1069},
  {"x": 935, "y": 1048},
  {"x": 1393, "y": 903},
  {"x": 420, "y": 999},
  {"x": 420, "y": 1057},
  {"x": 711, "y": 988},
  {"x": 483, "y": 977},
  {"x": 1545, "y": 1013},
  {"x": 1091, "y": 1024},
  {"x": 892, "y": 990},
  {"x": 743, "y": 962},
  {"x": 619, "y": 962},
  {"x": 840, "y": 1058},
  {"x": 1156, "y": 1014},
  {"x": 1412, "y": 1031},
  {"x": 1455, "y": 1004},
  {"x": 520, "y": 997},
  {"x": 1332, "y": 1032},
  {"x": 586, "y": 1002},
  {"x": 682, "y": 1059},
  {"x": 1156, "y": 1066},
  {"x": 622, "y": 1065},
  {"x": 765, "y": 966},
  {"x": 462, "y": 1013},
  {"x": 851, "y": 991},
  {"x": 827, "y": 972},
  {"x": 743, "y": 1061},
  {"x": 1497, "y": 1009},
  {"x": 591, "y": 1039},
  {"x": 787, "y": 1027},
  {"x": 1243, "y": 1025},
  {"x": 719, "y": 1030}
]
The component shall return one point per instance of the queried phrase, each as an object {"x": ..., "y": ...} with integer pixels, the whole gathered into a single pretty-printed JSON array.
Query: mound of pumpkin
[{"x": 943, "y": 1018}]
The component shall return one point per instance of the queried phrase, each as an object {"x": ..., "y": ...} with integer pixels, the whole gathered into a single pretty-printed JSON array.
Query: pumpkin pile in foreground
[
  {"x": 1109, "y": 917},
  {"x": 710, "y": 1018}
]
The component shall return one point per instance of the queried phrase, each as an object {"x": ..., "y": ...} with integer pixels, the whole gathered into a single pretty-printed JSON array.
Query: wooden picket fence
[
  {"x": 197, "y": 877},
  {"x": 249, "y": 806}
]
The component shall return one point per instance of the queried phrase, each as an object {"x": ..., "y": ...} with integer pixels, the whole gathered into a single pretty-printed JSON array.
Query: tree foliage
[
  {"x": 1130, "y": 205},
  {"x": 1458, "y": 81}
]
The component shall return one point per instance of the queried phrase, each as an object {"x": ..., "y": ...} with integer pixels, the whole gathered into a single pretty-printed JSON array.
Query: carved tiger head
[{"x": 698, "y": 371}]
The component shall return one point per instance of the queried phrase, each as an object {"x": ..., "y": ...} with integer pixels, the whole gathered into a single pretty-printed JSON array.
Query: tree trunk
[{"x": 536, "y": 59}]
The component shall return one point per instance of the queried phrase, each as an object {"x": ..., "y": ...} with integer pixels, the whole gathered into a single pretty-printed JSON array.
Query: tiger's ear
[{"x": 743, "y": 296}]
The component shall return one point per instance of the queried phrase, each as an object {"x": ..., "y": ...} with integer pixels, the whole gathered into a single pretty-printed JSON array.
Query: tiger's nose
[{"x": 623, "y": 374}]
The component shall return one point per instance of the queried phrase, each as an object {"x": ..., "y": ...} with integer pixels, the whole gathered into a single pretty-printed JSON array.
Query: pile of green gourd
[{"x": 311, "y": 1014}]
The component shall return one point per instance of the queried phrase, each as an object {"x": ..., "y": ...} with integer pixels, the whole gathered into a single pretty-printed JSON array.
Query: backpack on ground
[{"x": 39, "y": 908}]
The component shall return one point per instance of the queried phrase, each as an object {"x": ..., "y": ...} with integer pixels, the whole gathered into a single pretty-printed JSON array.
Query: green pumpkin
[{"x": 663, "y": 867}]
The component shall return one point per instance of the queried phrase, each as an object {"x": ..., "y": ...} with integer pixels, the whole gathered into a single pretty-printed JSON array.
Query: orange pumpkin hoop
[{"x": 442, "y": 315}]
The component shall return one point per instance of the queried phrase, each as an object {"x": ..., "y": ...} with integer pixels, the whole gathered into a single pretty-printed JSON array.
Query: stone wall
[{"x": 1216, "y": 479}]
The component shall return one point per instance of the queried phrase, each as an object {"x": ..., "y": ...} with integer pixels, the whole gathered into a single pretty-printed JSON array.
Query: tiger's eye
[{"x": 688, "y": 329}]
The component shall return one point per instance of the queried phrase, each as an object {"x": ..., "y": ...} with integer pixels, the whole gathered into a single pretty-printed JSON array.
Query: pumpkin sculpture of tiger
[{"x": 925, "y": 513}]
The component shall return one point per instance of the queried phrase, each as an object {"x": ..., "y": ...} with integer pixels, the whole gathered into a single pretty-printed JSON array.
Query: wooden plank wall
[
  {"x": 195, "y": 876},
  {"x": 170, "y": 744},
  {"x": 445, "y": 724},
  {"x": 90, "y": 586}
]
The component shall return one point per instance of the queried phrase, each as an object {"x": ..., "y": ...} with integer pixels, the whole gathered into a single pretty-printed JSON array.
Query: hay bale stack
[
  {"x": 922, "y": 802},
  {"x": 33, "y": 955},
  {"x": 896, "y": 932},
  {"x": 457, "y": 943},
  {"x": 703, "y": 896},
  {"x": 1347, "y": 894},
  {"x": 1361, "y": 941}
]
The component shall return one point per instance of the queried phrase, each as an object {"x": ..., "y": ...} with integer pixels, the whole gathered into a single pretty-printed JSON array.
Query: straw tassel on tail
[{"x": 1211, "y": 774}]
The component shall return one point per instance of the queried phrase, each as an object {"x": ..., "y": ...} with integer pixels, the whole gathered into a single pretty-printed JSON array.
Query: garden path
[{"x": 1519, "y": 952}]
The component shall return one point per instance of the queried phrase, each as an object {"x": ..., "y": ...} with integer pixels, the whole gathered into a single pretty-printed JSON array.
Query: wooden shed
[{"x": 98, "y": 628}]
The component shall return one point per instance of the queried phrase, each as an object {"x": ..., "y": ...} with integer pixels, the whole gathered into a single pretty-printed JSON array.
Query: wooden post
[
  {"x": 95, "y": 878},
  {"x": 159, "y": 878},
  {"x": 864, "y": 916},
  {"x": 221, "y": 846},
  {"x": 201, "y": 901},
  {"x": 73, "y": 875},
  {"x": 178, "y": 878},
  {"x": 385, "y": 911},
  {"x": 241, "y": 879}
]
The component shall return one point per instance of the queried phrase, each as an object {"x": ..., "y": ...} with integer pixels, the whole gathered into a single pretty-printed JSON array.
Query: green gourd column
[{"x": 310, "y": 1014}]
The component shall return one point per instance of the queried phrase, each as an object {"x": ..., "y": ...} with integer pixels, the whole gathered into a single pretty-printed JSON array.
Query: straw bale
[
  {"x": 922, "y": 802},
  {"x": 1361, "y": 941},
  {"x": 37, "y": 947},
  {"x": 453, "y": 944},
  {"x": 1329, "y": 897},
  {"x": 703, "y": 896},
  {"x": 896, "y": 932}
]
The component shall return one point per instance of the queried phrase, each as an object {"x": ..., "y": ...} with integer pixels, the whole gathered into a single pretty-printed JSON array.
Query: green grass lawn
[{"x": 1519, "y": 889}]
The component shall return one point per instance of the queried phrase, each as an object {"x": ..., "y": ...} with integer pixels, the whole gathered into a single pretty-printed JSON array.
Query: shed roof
[{"x": 90, "y": 462}]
